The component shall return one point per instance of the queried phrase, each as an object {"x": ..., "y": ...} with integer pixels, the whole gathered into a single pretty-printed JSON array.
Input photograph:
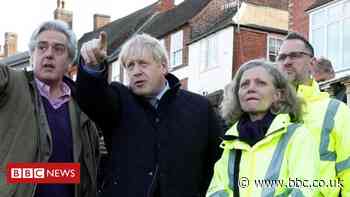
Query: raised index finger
[{"x": 103, "y": 40}]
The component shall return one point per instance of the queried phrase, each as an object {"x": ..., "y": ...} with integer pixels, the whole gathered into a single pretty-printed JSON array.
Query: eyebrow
[{"x": 46, "y": 42}]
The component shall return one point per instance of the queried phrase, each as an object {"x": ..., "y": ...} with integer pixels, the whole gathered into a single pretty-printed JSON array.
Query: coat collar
[
  {"x": 75, "y": 124},
  {"x": 74, "y": 113},
  {"x": 311, "y": 92},
  {"x": 174, "y": 82},
  {"x": 277, "y": 127},
  {"x": 67, "y": 80},
  {"x": 174, "y": 86}
]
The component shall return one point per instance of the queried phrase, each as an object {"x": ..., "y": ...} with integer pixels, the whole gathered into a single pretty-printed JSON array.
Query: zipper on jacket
[{"x": 153, "y": 186}]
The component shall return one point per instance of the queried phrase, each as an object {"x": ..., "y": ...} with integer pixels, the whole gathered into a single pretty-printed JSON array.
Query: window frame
[
  {"x": 115, "y": 74},
  {"x": 275, "y": 37},
  {"x": 176, "y": 50},
  {"x": 209, "y": 55},
  {"x": 339, "y": 59}
]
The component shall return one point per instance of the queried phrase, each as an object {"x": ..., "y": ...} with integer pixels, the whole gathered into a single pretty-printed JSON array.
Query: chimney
[
  {"x": 101, "y": 20},
  {"x": 10, "y": 46},
  {"x": 165, "y": 5},
  {"x": 62, "y": 14}
]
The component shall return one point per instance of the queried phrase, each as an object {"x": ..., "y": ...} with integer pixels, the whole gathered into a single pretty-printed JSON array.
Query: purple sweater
[{"x": 61, "y": 130}]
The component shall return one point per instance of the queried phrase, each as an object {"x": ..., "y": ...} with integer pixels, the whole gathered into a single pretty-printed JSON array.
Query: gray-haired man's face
[{"x": 50, "y": 56}]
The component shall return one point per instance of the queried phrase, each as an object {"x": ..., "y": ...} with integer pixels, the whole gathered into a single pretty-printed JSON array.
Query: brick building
[
  {"x": 230, "y": 33},
  {"x": 164, "y": 20},
  {"x": 299, "y": 18}
]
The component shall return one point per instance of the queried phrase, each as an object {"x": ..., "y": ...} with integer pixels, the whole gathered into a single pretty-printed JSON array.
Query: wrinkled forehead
[
  {"x": 137, "y": 52},
  {"x": 257, "y": 72},
  {"x": 292, "y": 45},
  {"x": 52, "y": 36}
]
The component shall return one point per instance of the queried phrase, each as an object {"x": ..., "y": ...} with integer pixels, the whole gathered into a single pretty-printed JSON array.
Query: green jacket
[
  {"x": 287, "y": 152},
  {"x": 328, "y": 121},
  {"x": 25, "y": 135}
]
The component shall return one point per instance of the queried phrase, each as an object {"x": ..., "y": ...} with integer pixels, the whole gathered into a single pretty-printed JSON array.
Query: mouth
[
  {"x": 252, "y": 99},
  {"x": 48, "y": 65},
  {"x": 139, "y": 83},
  {"x": 288, "y": 69}
]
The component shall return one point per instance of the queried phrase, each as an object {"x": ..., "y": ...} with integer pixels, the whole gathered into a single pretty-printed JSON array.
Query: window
[
  {"x": 203, "y": 55},
  {"x": 115, "y": 71},
  {"x": 176, "y": 48},
  {"x": 329, "y": 33},
  {"x": 209, "y": 53},
  {"x": 212, "y": 52},
  {"x": 273, "y": 45},
  {"x": 229, "y": 5}
]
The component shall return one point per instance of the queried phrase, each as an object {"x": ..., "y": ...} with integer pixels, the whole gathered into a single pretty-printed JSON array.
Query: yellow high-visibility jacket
[
  {"x": 329, "y": 122},
  {"x": 286, "y": 154}
]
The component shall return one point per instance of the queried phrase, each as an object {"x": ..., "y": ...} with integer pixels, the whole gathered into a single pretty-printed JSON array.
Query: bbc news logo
[{"x": 43, "y": 173}]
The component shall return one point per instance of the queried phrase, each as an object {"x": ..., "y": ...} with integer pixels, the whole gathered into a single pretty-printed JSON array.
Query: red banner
[{"x": 43, "y": 173}]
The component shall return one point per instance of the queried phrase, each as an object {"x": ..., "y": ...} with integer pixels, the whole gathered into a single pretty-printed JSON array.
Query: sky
[{"x": 23, "y": 16}]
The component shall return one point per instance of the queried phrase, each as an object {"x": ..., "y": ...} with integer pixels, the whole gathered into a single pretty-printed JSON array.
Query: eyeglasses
[
  {"x": 57, "y": 49},
  {"x": 292, "y": 55}
]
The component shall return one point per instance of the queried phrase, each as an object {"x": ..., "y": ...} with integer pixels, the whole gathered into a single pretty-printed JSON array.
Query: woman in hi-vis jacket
[{"x": 267, "y": 152}]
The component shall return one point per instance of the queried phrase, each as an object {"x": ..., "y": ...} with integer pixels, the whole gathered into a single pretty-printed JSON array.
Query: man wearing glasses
[
  {"x": 39, "y": 119},
  {"x": 327, "y": 119}
]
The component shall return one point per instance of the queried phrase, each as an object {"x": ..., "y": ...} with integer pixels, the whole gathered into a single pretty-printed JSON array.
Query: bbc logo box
[{"x": 43, "y": 173}]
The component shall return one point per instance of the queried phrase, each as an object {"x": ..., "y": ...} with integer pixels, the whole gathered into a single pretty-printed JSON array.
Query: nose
[
  {"x": 251, "y": 88},
  {"x": 287, "y": 61},
  {"x": 49, "y": 53},
  {"x": 137, "y": 70}
]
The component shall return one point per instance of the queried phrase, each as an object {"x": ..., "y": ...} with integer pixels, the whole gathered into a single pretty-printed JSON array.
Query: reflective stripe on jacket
[
  {"x": 329, "y": 122},
  {"x": 287, "y": 153}
]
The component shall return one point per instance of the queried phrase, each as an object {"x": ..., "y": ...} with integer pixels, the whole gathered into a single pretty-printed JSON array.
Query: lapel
[
  {"x": 45, "y": 137},
  {"x": 74, "y": 114},
  {"x": 277, "y": 128}
]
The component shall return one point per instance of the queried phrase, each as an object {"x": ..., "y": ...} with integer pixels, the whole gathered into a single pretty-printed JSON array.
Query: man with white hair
[{"x": 162, "y": 140}]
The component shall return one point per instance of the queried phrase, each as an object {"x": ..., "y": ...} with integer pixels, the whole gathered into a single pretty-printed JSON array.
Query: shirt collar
[
  {"x": 44, "y": 90},
  {"x": 154, "y": 101},
  {"x": 161, "y": 93}
]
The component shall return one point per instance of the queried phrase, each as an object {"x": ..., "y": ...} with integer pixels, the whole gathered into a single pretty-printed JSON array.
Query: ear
[
  {"x": 276, "y": 101},
  {"x": 277, "y": 96},
  {"x": 164, "y": 69},
  {"x": 312, "y": 63}
]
